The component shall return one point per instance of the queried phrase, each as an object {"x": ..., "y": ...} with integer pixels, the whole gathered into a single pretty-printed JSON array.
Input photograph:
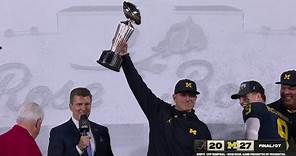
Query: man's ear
[
  {"x": 70, "y": 106},
  {"x": 174, "y": 96},
  {"x": 38, "y": 123},
  {"x": 258, "y": 96}
]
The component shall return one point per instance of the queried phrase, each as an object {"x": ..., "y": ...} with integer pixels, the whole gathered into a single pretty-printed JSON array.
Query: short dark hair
[{"x": 80, "y": 91}]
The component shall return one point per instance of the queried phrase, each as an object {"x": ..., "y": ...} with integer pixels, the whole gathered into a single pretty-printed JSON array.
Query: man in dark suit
[{"x": 66, "y": 140}]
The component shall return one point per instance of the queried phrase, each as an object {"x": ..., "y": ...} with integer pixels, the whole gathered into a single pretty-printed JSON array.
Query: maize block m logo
[
  {"x": 231, "y": 145},
  {"x": 192, "y": 131},
  {"x": 188, "y": 85},
  {"x": 287, "y": 77}
]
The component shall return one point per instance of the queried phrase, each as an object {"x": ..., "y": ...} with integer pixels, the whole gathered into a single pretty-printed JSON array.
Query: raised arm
[{"x": 147, "y": 100}]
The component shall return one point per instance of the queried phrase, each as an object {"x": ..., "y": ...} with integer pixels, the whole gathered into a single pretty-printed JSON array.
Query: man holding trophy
[{"x": 173, "y": 128}]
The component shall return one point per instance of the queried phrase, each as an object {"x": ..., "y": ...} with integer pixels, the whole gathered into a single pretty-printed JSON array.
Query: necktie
[{"x": 89, "y": 151}]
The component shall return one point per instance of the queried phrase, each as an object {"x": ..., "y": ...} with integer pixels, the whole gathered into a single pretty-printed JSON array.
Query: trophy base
[{"x": 110, "y": 60}]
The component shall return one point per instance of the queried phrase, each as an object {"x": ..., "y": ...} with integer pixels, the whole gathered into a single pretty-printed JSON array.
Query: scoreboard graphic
[{"x": 239, "y": 147}]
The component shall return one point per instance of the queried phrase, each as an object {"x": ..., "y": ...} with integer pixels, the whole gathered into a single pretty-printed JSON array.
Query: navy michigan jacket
[{"x": 172, "y": 132}]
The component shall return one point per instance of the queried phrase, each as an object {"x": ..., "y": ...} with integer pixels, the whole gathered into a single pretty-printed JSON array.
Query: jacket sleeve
[
  {"x": 57, "y": 146},
  {"x": 146, "y": 99}
]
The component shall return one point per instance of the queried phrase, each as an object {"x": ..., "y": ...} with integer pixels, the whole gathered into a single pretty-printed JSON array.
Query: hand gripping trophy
[{"x": 110, "y": 58}]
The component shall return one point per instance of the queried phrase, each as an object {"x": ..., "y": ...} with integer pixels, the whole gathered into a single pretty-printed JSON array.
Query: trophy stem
[{"x": 123, "y": 32}]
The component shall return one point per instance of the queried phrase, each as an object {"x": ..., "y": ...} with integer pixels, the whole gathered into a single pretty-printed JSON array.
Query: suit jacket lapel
[
  {"x": 74, "y": 129},
  {"x": 94, "y": 131},
  {"x": 98, "y": 136},
  {"x": 75, "y": 132}
]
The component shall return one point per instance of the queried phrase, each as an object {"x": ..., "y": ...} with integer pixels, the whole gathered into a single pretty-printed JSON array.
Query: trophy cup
[{"x": 110, "y": 58}]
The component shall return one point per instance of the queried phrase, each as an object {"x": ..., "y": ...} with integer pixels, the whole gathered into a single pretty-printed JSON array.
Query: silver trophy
[{"x": 110, "y": 58}]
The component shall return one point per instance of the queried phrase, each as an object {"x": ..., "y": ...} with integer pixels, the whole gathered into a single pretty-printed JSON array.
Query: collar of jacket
[{"x": 177, "y": 114}]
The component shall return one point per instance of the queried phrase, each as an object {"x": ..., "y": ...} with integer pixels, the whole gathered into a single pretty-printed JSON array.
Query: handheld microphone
[{"x": 83, "y": 125}]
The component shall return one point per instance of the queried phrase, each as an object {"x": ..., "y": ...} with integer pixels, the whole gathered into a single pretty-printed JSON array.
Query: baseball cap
[
  {"x": 288, "y": 78},
  {"x": 185, "y": 86},
  {"x": 248, "y": 87}
]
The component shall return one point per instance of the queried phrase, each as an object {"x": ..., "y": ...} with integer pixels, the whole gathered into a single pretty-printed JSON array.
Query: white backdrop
[{"x": 50, "y": 47}]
